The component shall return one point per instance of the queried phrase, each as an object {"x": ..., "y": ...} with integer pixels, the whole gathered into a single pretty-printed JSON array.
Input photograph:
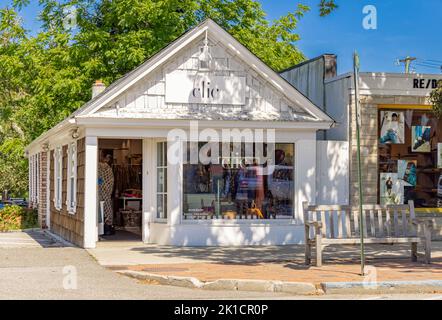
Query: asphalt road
[
  {"x": 42, "y": 269},
  {"x": 71, "y": 273}
]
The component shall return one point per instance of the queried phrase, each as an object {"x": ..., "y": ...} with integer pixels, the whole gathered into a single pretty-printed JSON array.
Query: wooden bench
[{"x": 328, "y": 225}]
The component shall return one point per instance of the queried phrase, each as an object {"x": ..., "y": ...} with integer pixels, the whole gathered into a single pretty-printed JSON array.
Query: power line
[{"x": 411, "y": 63}]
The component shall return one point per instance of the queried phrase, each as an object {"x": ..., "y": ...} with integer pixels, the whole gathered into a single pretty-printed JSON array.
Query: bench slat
[
  {"x": 388, "y": 222},
  {"x": 372, "y": 224},
  {"x": 348, "y": 224},
  {"x": 396, "y": 223},
  {"x": 380, "y": 223},
  {"x": 404, "y": 223},
  {"x": 331, "y": 218},
  {"x": 372, "y": 240},
  {"x": 356, "y": 222},
  {"x": 340, "y": 224},
  {"x": 324, "y": 224}
]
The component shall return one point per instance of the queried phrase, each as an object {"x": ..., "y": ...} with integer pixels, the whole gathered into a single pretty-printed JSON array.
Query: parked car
[{"x": 19, "y": 202}]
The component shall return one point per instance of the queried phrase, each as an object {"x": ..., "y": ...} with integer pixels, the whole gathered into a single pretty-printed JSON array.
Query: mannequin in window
[{"x": 106, "y": 184}]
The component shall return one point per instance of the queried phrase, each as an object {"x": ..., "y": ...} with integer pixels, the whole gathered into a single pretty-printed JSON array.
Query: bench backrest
[{"x": 380, "y": 221}]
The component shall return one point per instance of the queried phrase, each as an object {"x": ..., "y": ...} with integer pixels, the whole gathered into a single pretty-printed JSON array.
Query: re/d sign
[{"x": 185, "y": 87}]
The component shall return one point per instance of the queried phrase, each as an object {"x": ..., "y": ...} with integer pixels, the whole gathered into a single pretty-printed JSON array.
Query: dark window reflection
[{"x": 237, "y": 187}]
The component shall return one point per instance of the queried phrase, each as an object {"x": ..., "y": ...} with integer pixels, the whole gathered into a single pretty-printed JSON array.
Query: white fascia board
[
  {"x": 160, "y": 123},
  {"x": 266, "y": 72},
  {"x": 54, "y": 134},
  {"x": 230, "y": 42},
  {"x": 162, "y": 57}
]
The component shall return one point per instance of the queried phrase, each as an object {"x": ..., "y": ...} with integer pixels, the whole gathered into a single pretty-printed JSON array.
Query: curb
[
  {"x": 296, "y": 288},
  {"x": 300, "y": 288},
  {"x": 383, "y": 287},
  {"x": 21, "y": 230}
]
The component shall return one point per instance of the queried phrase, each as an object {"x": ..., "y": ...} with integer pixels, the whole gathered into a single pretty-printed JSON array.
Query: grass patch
[{"x": 16, "y": 218}]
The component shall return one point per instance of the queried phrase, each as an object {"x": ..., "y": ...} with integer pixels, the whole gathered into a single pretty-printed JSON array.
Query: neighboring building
[
  {"x": 400, "y": 137},
  {"x": 171, "y": 202}
]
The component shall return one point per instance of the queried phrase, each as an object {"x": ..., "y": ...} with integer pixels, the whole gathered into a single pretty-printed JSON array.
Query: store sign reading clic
[{"x": 187, "y": 88}]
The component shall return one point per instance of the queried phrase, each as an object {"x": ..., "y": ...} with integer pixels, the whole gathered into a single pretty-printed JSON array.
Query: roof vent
[{"x": 97, "y": 88}]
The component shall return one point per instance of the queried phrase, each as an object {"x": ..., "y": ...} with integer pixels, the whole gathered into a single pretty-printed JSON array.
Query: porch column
[
  {"x": 149, "y": 187},
  {"x": 90, "y": 192},
  {"x": 48, "y": 189},
  {"x": 174, "y": 187},
  {"x": 42, "y": 187},
  {"x": 305, "y": 175}
]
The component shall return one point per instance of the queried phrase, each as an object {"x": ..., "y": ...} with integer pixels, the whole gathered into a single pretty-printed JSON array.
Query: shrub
[
  {"x": 16, "y": 218},
  {"x": 436, "y": 100}
]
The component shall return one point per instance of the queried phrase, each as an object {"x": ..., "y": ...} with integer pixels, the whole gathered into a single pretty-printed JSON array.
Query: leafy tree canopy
[
  {"x": 46, "y": 76},
  {"x": 436, "y": 100}
]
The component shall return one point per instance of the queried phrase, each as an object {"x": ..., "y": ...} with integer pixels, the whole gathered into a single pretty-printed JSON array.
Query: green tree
[
  {"x": 436, "y": 100},
  {"x": 47, "y": 76}
]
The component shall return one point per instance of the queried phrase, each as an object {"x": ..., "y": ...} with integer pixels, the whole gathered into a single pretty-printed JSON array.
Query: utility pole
[
  {"x": 356, "y": 65},
  {"x": 407, "y": 61}
]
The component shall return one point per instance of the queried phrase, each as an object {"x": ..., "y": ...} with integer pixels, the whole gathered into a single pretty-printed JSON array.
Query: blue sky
[{"x": 405, "y": 27}]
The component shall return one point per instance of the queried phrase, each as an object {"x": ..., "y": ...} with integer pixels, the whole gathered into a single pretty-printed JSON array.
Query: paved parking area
[
  {"x": 27, "y": 239},
  {"x": 33, "y": 266}
]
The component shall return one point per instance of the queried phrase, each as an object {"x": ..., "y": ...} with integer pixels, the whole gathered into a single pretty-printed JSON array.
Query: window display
[
  {"x": 390, "y": 189},
  {"x": 392, "y": 127},
  {"x": 412, "y": 170},
  {"x": 439, "y": 155},
  {"x": 240, "y": 188},
  {"x": 421, "y": 139}
]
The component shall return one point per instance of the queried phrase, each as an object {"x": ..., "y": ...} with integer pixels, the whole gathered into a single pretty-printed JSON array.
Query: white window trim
[
  {"x": 34, "y": 174},
  {"x": 164, "y": 193},
  {"x": 37, "y": 178},
  {"x": 292, "y": 220},
  {"x": 31, "y": 180},
  {"x": 71, "y": 204},
  {"x": 58, "y": 174}
]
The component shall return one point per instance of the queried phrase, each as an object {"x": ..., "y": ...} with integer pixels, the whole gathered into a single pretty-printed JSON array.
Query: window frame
[
  {"x": 164, "y": 193},
  {"x": 58, "y": 177},
  {"x": 71, "y": 178},
  {"x": 288, "y": 220}
]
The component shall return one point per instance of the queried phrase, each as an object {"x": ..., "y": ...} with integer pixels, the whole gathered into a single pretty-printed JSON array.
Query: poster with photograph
[
  {"x": 420, "y": 136},
  {"x": 391, "y": 189},
  {"x": 407, "y": 172},
  {"x": 392, "y": 127},
  {"x": 439, "y": 155}
]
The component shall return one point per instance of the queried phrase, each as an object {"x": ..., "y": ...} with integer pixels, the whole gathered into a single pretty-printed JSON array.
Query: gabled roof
[{"x": 214, "y": 32}]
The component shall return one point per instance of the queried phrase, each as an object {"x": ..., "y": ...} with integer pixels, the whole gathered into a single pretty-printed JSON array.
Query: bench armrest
[
  {"x": 316, "y": 224},
  {"x": 424, "y": 222}
]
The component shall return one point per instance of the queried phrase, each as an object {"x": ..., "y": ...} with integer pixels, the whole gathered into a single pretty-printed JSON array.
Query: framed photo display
[
  {"x": 391, "y": 189},
  {"x": 392, "y": 127},
  {"x": 420, "y": 139}
]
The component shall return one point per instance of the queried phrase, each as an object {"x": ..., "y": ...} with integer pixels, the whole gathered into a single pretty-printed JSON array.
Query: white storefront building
[{"x": 221, "y": 87}]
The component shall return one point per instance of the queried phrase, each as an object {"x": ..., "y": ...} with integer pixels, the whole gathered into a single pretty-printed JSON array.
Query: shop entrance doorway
[{"x": 120, "y": 193}]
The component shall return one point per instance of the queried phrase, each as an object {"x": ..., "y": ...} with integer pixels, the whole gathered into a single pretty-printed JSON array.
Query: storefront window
[
  {"x": 410, "y": 158},
  {"x": 238, "y": 189},
  {"x": 72, "y": 178}
]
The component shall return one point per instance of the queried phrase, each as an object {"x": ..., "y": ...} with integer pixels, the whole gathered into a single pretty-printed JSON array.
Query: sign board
[
  {"x": 186, "y": 87},
  {"x": 425, "y": 83}
]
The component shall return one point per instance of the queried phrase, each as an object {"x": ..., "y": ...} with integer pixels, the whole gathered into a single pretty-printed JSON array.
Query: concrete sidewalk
[
  {"x": 33, "y": 266},
  {"x": 284, "y": 263}
]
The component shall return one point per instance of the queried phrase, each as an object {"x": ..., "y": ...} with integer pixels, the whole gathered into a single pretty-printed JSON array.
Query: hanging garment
[{"x": 105, "y": 187}]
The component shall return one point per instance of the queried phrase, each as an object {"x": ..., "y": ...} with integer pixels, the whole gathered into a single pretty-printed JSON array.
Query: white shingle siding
[{"x": 147, "y": 99}]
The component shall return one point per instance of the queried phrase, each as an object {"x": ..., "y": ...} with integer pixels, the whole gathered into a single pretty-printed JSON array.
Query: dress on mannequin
[{"x": 106, "y": 184}]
